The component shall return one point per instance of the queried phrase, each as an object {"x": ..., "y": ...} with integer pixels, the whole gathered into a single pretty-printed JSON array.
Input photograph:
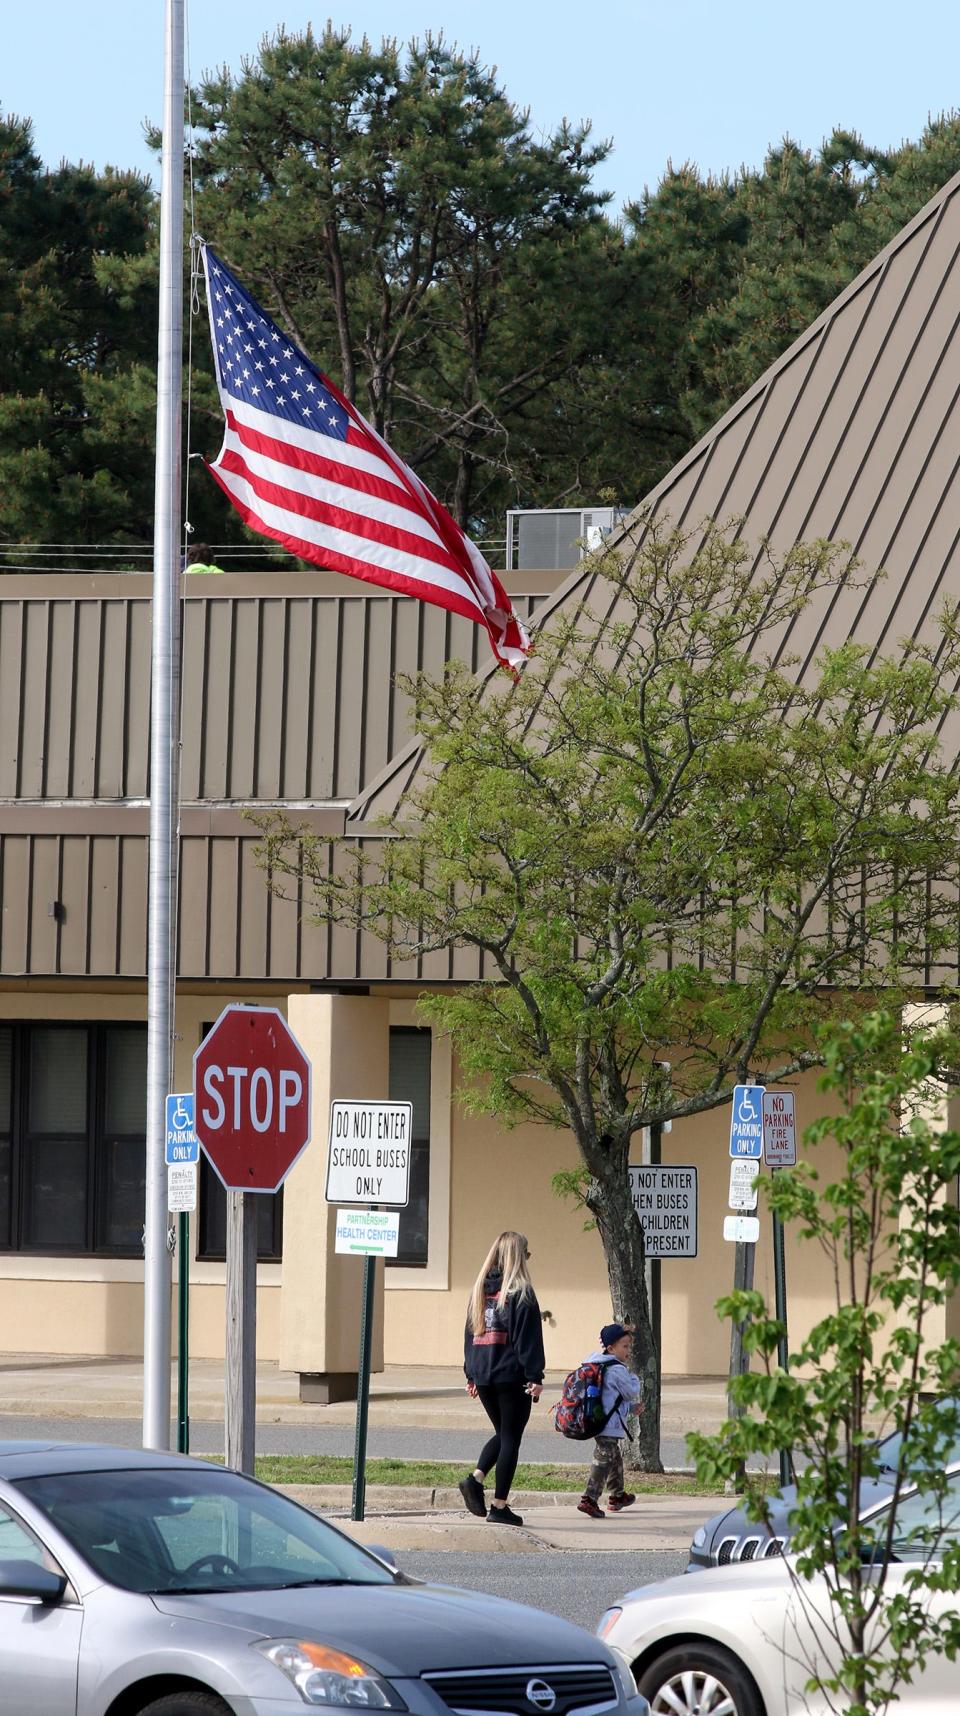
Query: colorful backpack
[{"x": 579, "y": 1412}]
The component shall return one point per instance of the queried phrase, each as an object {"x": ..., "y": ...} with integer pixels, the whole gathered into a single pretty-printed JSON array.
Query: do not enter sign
[{"x": 251, "y": 1082}]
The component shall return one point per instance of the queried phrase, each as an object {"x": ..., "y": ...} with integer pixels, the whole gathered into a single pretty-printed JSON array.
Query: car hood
[
  {"x": 398, "y": 1629},
  {"x": 707, "y": 1585},
  {"x": 735, "y": 1523}
]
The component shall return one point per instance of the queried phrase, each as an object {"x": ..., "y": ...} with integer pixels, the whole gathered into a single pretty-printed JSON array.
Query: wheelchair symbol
[
  {"x": 181, "y": 1119},
  {"x": 747, "y": 1108}
]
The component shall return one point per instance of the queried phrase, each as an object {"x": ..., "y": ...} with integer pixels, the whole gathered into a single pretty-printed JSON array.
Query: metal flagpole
[{"x": 161, "y": 962}]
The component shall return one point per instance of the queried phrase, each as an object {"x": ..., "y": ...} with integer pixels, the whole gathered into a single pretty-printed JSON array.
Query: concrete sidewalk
[
  {"x": 550, "y": 1522},
  {"x": 414, "y": 1397}
]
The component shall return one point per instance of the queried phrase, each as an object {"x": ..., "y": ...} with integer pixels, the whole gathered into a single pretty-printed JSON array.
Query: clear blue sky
[{"x": 713, "y": 81}]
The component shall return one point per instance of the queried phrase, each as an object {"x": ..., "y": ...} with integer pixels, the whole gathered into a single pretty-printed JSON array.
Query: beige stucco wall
[
  {"x": 348, "y": 1042},
  {"x": 503, "y": 1179},
  {"x": 488, "y": 1179}
]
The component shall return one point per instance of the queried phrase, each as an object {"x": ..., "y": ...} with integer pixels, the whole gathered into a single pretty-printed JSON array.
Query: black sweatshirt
[{"x": 511, "y": 1346}]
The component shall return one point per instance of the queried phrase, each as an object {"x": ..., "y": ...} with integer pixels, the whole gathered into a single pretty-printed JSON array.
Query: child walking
[{"x": 621, "y": 1396}]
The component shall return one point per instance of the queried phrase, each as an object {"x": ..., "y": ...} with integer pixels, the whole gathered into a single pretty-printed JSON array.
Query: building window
[
  {"x": 212, "y": 1226},
  {"x": 72, "y": 1138},
  {"x": 410, "y": 1082},
  {"x": 212, "y": 1243}
]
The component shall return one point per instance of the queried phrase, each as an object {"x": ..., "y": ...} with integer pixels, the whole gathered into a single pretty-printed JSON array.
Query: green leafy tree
[
  {"x": 748, "y": 262},
  {"x": 684, "y": 248},
  {"x": 77, "y": 349},
  {"x": 394, "y": 212},
  {"x": 911, "y": 175},
  {"x": 662, "y": 849},
  {"x": 78, "y": 362},
  {"x": 872, "y": 1597}
]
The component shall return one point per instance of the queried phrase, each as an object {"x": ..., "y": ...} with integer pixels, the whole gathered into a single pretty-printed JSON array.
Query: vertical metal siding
[
  {"x": 253, "y": 919},
  {"x": 11, "y": 658},
  {"x": 294, "y": 703},
  {"x": 74, "y": 893},
  {"x": 42, "y": 929},
  {"x": 15, "y": 884},
  {"x": 244, "y": 697},
  {"x": 286, "y": 697},
  {"x": 132, "y": 913}
]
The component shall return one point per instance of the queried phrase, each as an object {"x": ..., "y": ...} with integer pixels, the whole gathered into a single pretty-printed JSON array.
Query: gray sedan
[{"x": 144, "y": 1584}]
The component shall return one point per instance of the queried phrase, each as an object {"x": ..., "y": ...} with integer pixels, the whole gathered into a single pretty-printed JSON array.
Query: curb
[
  {"x": 406, "y": 1498},
  {"x": 408, "y": 1521}
]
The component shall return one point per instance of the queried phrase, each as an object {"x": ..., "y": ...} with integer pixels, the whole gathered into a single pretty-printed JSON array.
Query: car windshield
[
  {"x": 194, "y": 1530},
  {"x": 889, "y": 1449},
  {"x": 924, "y": 1525}
]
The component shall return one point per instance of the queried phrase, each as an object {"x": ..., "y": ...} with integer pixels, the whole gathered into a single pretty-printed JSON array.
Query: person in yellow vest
[{"x": 198, "y": 561}]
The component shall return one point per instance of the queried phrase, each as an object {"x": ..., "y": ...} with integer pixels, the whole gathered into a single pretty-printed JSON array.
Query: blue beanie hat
[{"x": 612, "y": 1333}]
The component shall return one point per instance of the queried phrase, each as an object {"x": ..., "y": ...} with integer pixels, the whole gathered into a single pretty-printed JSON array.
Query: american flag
[{"x": 301, "y": 465}]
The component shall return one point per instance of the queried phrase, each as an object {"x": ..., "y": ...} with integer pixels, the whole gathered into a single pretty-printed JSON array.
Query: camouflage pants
[{"x": 607, "y": 1468}]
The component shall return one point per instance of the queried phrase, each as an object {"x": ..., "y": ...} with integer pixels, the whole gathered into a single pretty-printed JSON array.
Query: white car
[{"x": 741, "y": 1640}]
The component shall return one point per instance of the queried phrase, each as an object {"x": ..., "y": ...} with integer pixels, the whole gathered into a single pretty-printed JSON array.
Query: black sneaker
[
  {"x": 473, "y": 1496},
  {"x": 503, "y": 1516}
]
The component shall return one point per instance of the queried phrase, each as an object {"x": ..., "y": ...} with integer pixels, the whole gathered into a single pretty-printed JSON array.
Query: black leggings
[{"x": 508, "y": 1409}]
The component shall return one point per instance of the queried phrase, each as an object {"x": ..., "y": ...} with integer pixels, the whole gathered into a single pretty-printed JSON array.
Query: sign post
[
  {"x": 182, "y": 1155},
  {"x": 368, "y": 1163},
  {"x": 746, "y": 1144},
  {"x": 780, "y": 1151},
  {"x": 251, "y": 1082}
]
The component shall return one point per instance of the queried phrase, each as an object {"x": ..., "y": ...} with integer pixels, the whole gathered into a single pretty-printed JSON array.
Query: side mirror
[{"x": 29, "y": 1580}]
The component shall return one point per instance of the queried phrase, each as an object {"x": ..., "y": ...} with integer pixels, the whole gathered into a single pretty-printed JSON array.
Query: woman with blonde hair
[{"x": 503, "y": 1362}]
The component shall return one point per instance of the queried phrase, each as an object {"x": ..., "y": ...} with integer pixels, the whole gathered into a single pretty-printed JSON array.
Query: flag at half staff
[{"x": 300, "y": 464}]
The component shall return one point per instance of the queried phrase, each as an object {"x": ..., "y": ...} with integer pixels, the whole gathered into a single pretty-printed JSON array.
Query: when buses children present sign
[
  {"x": 368, "y": 1154},
  {"x": 665, "y": 1199}
]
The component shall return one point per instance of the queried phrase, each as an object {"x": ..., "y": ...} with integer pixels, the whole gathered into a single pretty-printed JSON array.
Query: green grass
[{"x": 436, "y": 1474}]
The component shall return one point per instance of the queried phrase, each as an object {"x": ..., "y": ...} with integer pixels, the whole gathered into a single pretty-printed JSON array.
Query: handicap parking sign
[
  {"x": 746, "y": 1121},
  {"x": 183, "y": 1145}
]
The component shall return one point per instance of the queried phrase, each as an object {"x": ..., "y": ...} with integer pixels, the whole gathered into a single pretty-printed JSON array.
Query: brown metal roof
[
  {"x": 853, "y": 435},
  {"x": 288, "y": 690},
  {"x": 288, "y": 697}
]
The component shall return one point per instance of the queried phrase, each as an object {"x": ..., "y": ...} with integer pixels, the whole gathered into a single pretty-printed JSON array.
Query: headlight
[
  {"x": 325, "y": 1676},
  {"x": 699, "y": 1537},
  {"x": 607, "y": 1622}
]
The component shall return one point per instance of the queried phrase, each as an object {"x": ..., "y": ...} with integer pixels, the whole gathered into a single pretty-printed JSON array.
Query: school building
[{"x": 288, "y": 699}]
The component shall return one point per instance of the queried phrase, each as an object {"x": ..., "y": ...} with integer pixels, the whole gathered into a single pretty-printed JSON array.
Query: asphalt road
[
  {"x": 400, "y": 1444},
  {"x": 579, "y": 1587}
]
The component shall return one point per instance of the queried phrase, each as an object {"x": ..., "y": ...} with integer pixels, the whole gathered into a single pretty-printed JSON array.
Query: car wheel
[
  {"x": 186, "y": 1704},
  {"x": 699, "y": 1680}
]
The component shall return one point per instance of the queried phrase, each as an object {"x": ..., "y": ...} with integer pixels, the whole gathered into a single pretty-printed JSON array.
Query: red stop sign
[{"x": 251, "y": 1084}]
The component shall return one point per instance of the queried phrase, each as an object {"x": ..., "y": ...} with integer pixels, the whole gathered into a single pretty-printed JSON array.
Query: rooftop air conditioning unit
[{"x": 556, "y": 539}]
